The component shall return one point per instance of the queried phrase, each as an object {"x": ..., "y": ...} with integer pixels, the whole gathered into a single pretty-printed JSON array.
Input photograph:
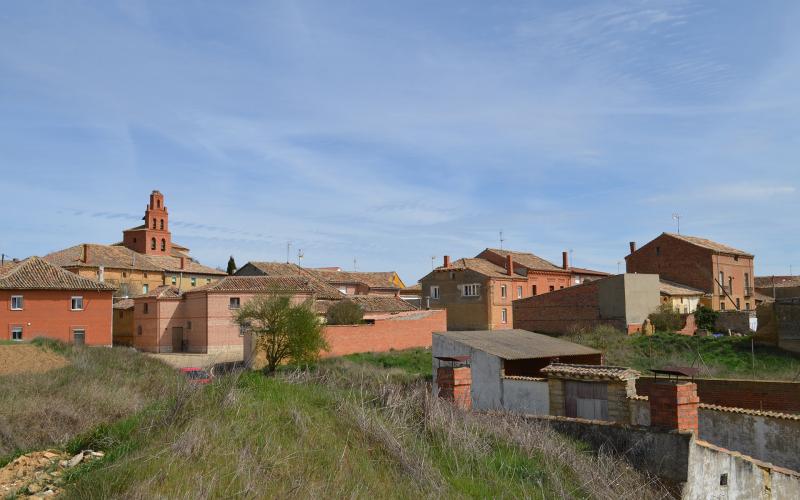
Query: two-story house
[{"x": 723, "y": 273}]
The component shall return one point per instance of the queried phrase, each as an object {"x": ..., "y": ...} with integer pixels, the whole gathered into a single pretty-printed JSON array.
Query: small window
[
  {"x": 738, "y": 303},
  {"x": 77, "y": 304},
  {"x": 188, "y": 325},
  {"x": 503, "y": 291},
  {"x": 162, "y": 224},
  {"x": 234, "y": 303},
  {"x": 16, "y": 333},
  {"x": 124, "y": 274},
  {"x": 145, "y": 288},
  {"x": 145, "y": 308},
  {"x": 16, "y": 302},
  {"x": 434, "y": 292},
  {"x": 561, "y": 287},
  {"x": 79, "y": 336},
  {"x": 343, "y": 289},
  {"x": 144, "y": 274},
  {"x": 163, "y": 245},
  {"x": 470, "y": 290},
  {"x": 658, "y": 251},
  {"x": 723, "y": 479},
  {"x": 194, "y": 281},
  {"x": 552, "y": 288},
  {"x": 139, "y": 330},
  {"x": 153, "y": 244},
  {"x": 174, "y": 280},
  {"x": 154, "y": 222},
  {"x": 504, "y": 315},
  {"x": 722, "y": 305},
  {"x": 533, "y": 289},
  {"x": 747, "y": 306},
  {"x": 519, "y": 292}
]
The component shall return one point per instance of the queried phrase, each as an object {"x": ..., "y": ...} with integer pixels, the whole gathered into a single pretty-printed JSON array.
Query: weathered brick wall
[
  {"x": 735, "y": 321},
  {"x": 403, "y": 331},
  {"x": 674, "y": 405},
  {"x": 752, "y": 394},
  {"x": 787, "y": 317},
  {"x": 455, "y": 384}
]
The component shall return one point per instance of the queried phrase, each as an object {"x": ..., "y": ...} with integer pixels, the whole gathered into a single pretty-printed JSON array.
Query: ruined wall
[
  {"x": 735, "y": 321},
  {"x": 787, "y": 316}
]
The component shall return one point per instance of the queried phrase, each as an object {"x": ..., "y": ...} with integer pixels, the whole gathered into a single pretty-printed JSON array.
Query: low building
[
  {"x": 683, "y": 298},
  {"x": 623, "y": 302},
  {"x": 777, "y": 287},
  {"x": 123, "y": 325},
  {"x": 581, "y": 275},
  {"x": 44, "y": 300},
  {"x": 413, "y": 295},
  {"x": 500, "y": 361}
]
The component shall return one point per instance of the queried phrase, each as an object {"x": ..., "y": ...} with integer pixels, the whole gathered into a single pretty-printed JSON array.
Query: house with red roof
[{"x": 41, "y": 299}]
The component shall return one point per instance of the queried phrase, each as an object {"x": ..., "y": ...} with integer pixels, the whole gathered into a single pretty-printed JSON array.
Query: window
[
  {"x": 721, "y": 280},
  {"x": 470, "y": 290},
  {"x": 124, "y": 274},
  {"x": 144, "y": 274},
  {"x": 154, "y": 222},
  {"x": 162, "y": 224},
  {"x": 16, "y": 333},
  {"x": 163, "y": 245},
  {"x": 188, "y": 325},
  {"x": 158, "y": 203},
  {"x": 234, "y": 303},
  {"x": 722, "y": 305},
  {"x": 16, "y": 302},
  {"x": 519, "y": 292},
  {"x": 503, "y": 291},
  {"x": 658, "y": 251},
  {"x": 747, "y": 306},
  {"x": 434, "y": 292},
  {"x": 77, "y": 304},
  {"x": 174, "y": 280},
  {"x": 79, "y": 336},
  {"x": 194, "y": 281},
  {"x": 504, "y": 315},
  {"x": 561, "y": 287},
  {"x": 153, "y": 244},
  {"x": 533, "y": 289},
  {"x": 139, "y": 330},
  {"x": 552, "y": 288},
  {"x": 145, "y": 308}
]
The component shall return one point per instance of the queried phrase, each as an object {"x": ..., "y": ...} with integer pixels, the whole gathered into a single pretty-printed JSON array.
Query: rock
[
  {"x": 49, "y": 455},
  {"x": 98, "y": 454},
  {"x": 34, "y": 488},
  {"x": 75, "y": 460}
]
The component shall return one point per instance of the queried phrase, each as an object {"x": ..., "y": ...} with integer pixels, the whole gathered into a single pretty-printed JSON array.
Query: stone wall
[
  {"x": 735, "y": 321},
  {"x": 787, "y": 316}
]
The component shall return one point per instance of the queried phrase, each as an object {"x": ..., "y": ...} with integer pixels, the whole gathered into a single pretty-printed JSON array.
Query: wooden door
[
  {"x": 587, "y": 400},
  {"x": 177, "y": 339}
]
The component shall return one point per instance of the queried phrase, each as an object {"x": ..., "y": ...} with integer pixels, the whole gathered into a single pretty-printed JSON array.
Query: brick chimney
[
  {"x": 446, "y": 261},
  {"x": 565, "y": 260},
  {"x": 633, "y": 246},
  {"x": 673, "y": 405},
  {"x": 509, "y": 265},
  {"x": 455, "y": 384},
  {"x": 183, "y": 262},
  {"x": 85, "y": 254}
]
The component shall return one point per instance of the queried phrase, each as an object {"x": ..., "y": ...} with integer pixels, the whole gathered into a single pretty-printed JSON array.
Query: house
[
  {"x": 478, "y": 292},
  {"x": 623, "y": 302},
  {"x": 413, "y": 295},
  {"x": 777, "y": 287},
  {"x": 44, "y": 300},
  {"x": 123, "y": 326},
  {"x": 582, "y": 275},
  {"x": 145, "y": 259},
  {"x": 499, "y": 360},
  {"x": 683, "y": 299},
  {"x": 723, "y": 273}
]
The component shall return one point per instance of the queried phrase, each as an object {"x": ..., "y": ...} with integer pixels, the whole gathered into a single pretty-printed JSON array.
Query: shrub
[
  {"x": 345, "y": 312},
  {"x": 666, "y": 319},
  {"x": 705, "y": 318}
]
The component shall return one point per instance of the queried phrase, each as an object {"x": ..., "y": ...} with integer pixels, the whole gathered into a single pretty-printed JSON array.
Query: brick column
[
  {"x": 673, "y": 405},
  {"x": 455, "y": 385}
]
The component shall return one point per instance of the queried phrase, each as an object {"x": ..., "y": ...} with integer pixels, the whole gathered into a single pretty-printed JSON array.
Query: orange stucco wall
[{"x": 46, "y": 313}]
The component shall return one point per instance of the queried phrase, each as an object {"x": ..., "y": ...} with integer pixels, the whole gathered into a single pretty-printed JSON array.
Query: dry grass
[{"x": 27, "y": 358}]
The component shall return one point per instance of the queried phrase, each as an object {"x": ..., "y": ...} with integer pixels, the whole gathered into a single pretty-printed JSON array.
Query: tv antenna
[
  {"x": 288, "y": 251},
  {"x": 355, "y": 264},
  {"x": 677, "y": 218},
  {"x": 433, "y": 262},
  {"x": 300, "y": 256},
  {"x": 501, "y": 239}
]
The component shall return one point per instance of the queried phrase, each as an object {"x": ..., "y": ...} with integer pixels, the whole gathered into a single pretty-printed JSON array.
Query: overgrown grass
[
  {"x": 412, "y": 361},
  {"x": 100, "y": 385},
  {"x": 725, "y": 357},
  {"x": 342, "y": 429}
]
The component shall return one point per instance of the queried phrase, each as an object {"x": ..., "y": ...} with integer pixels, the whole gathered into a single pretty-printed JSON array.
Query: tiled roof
[
  {"x": 163, "y": 292},
  {"x": 673, "y": 289},
  {"x": 709, "y": 244},
  {"x": 480, "y": 266},
  {"x": 322, "y": 289},
  {"x": 173, "y": 264},
  {"x": 35, "y": 273},
  {"x": 371, "y": 279},
  {"x": 581, "y": 270},
  {"x": 123, "y": 304},
  {"x": 111, "y": 256},
  {"x": 527, "y": 260},
  {"x": 381, "y": 303},
  {"x": 7, "y": 266},
  {"x": 257, "y": 284},
  {"x": 591, "y": 372},
  {"x": 776, "y": 281},
  {"x": 746, "y": 411}
]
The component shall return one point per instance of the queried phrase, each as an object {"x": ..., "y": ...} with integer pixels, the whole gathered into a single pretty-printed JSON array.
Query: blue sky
[{"x": 391, "y": 132}]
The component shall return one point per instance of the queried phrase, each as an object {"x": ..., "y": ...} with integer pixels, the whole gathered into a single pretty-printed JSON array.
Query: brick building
[
  {"x": 43, "y": 300},
  {"x": 146, "y": 258},
  {"x": 478, "y": 292},
  {"x": 723, "y": 273}
]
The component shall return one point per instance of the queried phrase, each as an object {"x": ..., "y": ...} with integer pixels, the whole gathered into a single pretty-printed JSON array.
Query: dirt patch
[
  {"x": 39, "y": 474},
  {"x": 28, "y": 359}
]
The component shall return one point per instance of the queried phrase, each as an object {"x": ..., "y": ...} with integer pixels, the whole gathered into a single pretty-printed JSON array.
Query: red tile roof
[
  {"x": 35, "y": 273},
  {"x": 173, "y": 264},
  {"x": 109, "y": 256},
  {"x": 581, "y": 270},
  {"x": 480, "y": 266},
  {"x": 526, "y": 259},
  {"x": 322, "y": 289},
  {"x": 593, "y": 372},
  {"x": 370, "y": 279},
  {"x": 673, "y": 289},
  {"x": 257, "y": 284},
  {"x": 709, "y": 244}
]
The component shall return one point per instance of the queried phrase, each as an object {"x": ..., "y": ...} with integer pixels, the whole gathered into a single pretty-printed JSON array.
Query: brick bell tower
[{"x": 152, "y": 237}]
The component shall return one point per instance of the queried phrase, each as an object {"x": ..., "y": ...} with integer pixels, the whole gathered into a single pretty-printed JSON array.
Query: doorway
[
  {"x": 587, "y": 400},
  {"x": 177, "y": 339}
]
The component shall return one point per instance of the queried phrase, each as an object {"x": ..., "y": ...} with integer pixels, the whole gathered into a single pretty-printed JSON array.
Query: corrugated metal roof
[{"x": 517, "y": 344}]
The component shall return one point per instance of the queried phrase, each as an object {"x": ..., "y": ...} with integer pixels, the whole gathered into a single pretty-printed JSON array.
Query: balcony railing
[
  {"x": 748, "y": 291},
  {"x": 725, "y": 290}
]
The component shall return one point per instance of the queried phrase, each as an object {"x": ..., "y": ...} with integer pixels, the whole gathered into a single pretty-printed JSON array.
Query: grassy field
[
  {"x": 724, "y": 357},
  {"x": 416, "y": 362}
]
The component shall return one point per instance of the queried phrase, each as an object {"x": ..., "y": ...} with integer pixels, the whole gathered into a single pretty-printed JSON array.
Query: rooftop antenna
[
  {"x": 619, "y": 263},
  {"x": 355, "y": 265},
  {"x": 433, "y": 262},
  {"x": 501, "y": 239},
  {"x": 677, "y": 218},
  {"x": 300, "y": 256},
  {"x": 288, "y": 250}
]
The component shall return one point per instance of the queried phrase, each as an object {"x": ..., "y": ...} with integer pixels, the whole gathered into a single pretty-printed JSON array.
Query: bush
[
  {"x": 345, "y": 312},
  {"x": 705, "y": 318},
  {"x": 666, "y": 319}
]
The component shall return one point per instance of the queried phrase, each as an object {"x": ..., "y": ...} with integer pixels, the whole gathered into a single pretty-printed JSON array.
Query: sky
[{"x": 384, "y": 135}]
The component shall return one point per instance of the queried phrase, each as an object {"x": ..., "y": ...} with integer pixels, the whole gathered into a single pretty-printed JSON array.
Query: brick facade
[
  {"x": 455, "y": 384},
  {"x": 674, "y": 405}
]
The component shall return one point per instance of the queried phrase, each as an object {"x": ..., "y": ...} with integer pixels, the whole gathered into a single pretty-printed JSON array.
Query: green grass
[
  {"x": 412, "y": 361},
  {"x": 723, "y": 357}
]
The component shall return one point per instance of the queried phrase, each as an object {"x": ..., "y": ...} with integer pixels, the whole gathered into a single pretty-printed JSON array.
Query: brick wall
[
  {"x": 455, "y": 384},
  {"x": 400, "y": 331},
  {"x": 562, "y": 310},
  {"x": 752, "y": 394},
  {"x": 674, "y": 405}
]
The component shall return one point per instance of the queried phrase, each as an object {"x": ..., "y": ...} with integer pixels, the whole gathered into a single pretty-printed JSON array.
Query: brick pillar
[
  {"x": 455, "y": 385},
  {"x": 673, "y": 405}
]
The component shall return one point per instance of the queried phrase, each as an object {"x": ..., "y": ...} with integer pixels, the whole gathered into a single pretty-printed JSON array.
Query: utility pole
[
  {"x": 677, "y": 218},
  {"x": 619, "y": 263},
  {"x": 501, "y": 239},
  {"x": 288, "y": 250},
  {"x": 300, "y": 256}
]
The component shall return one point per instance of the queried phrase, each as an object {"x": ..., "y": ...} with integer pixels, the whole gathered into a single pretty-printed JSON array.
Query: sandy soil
[{"x": 28, "y": 359}]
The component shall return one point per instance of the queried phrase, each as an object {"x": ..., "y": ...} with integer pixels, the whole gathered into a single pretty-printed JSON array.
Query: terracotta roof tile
[
  {"x": 674, "y": 289},
  {"x": 163, "y": 292},
  {"x": 776, "y": 281},
  {"x": 596, "y": 372},
  {"x": 371, "y": 279},
  {"x": 35, "y": 273},
  {"x": 480, "y": 266},
  {"x": 379, "y": 303},
  {"x": 527, "y": 259},
  {"x": 322, "y": 289},
  {"x": 582, "y": 270},
  {"x": 746, "y": 411},
  {"x": 111, "y": 256},
  {"x": 123, "y": 304},
  {"x": 173, "y": 264},
  {"x": 709, "y": 244},
  {"x": 257, "y": 284}
]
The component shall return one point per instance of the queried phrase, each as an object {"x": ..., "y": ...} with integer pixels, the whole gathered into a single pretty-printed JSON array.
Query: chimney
[
  {"x": 101, "y": 274},
  {"x": 565, "y": 260},
  {"x": 85, "y": 255},
  {"x": 183, "y": 262},
  {"x": 633, "y": 246},
  {"x": 446, "y": 261},
  {"x": 509, "y": 265},
  {"x": 673, "y": 405}
]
